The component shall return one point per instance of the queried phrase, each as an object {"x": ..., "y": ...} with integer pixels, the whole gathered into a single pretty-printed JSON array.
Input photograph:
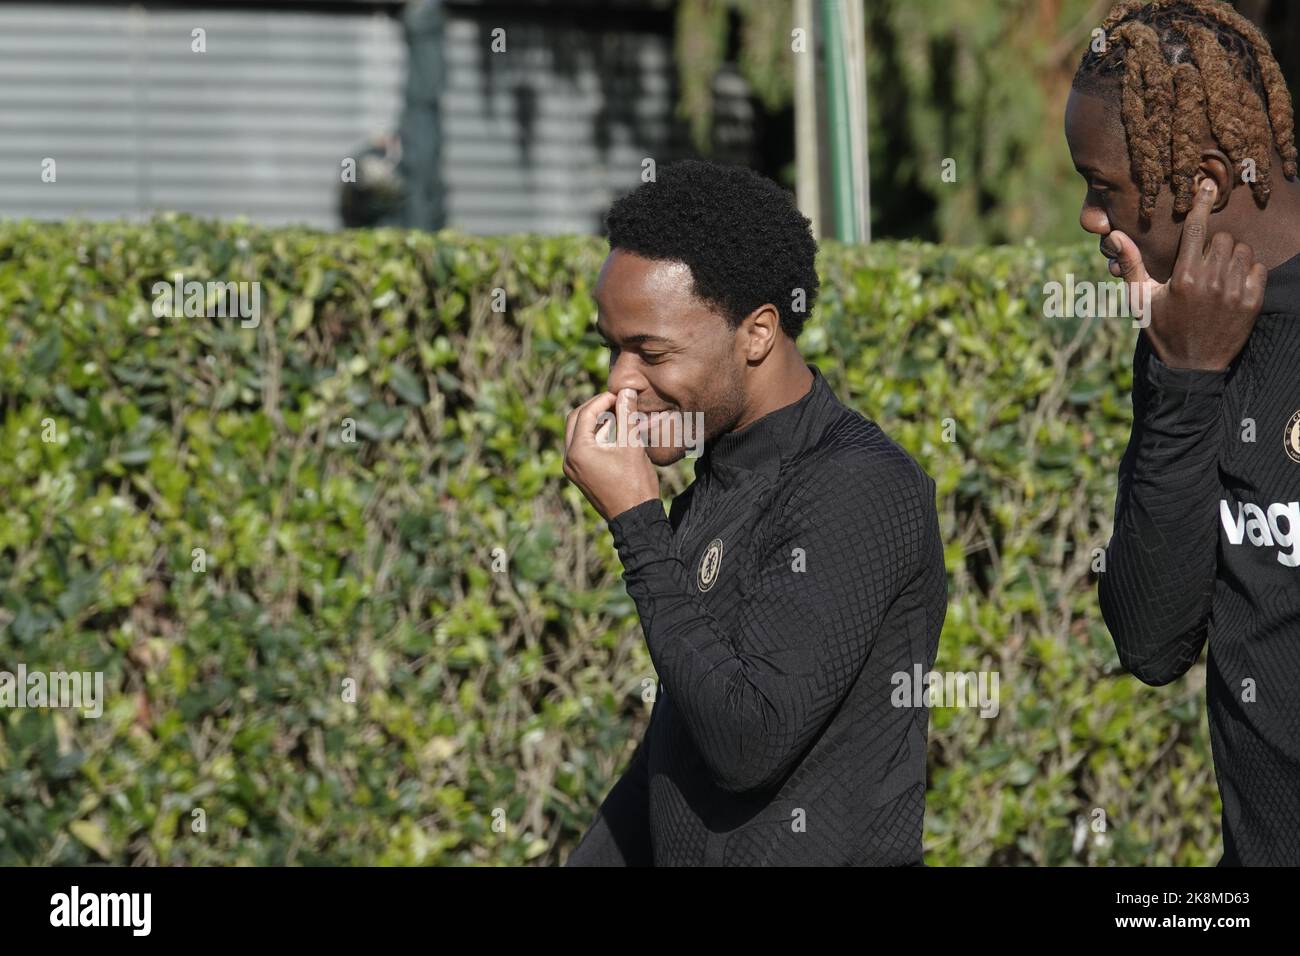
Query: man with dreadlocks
[{"x": 1180, "y": 121}]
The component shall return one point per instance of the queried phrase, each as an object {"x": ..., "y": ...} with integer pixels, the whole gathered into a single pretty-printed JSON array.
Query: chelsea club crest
[
  {"x": 1292, "y": 438},
  {"x": 710, "y": 562}
]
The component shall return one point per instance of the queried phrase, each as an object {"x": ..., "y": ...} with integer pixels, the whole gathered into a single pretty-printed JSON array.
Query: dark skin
[
  {"x": 1204, "y": 272},
  {"x": 670, "y": 351}
]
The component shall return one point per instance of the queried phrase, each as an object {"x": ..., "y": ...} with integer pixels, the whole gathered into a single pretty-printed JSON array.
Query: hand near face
[
  {"x": 606, "y": 460},
  {"x": 1201, "y": 317}
]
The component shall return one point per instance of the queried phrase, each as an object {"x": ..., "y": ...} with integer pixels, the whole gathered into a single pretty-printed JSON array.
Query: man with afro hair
[{"x": 793, "y": 587}]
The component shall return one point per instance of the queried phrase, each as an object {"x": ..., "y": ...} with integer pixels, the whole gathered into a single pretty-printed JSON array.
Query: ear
[
  {"x": 1217, "y": 166},
  {"x": 759, "y": 332}
]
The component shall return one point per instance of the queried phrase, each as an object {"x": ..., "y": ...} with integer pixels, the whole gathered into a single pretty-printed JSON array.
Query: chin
[{"x": 663, "y": 456}]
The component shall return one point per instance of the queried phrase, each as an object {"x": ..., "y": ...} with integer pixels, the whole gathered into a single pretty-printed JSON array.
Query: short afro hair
[{"x": 741, "y": 235}]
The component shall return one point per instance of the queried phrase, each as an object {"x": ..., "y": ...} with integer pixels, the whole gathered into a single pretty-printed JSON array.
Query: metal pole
[
  {"x": 838, "y": 110},
  {"x": 807, "y": 145},
  {"x": 855, "y": 70}
]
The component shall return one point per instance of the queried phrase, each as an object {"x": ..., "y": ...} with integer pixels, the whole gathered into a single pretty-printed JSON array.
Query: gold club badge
[
  {"x": 1292, "y": 438},
  {"x": 710, "y": 561}
]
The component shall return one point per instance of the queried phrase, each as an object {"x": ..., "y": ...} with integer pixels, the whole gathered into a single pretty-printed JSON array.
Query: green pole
[
  {"x": 837, "y": 105},
  {"x": 421, "y": 124}
]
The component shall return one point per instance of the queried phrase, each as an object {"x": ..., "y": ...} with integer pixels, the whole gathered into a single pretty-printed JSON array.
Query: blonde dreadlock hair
[{"x": 1190, "y": 70}]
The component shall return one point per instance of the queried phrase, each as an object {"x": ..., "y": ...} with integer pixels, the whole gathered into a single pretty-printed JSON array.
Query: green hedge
[{"x": 495, "y": 708}]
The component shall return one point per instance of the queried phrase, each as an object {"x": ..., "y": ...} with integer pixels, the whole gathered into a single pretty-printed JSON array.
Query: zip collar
[{"x": 762, "y": 445}]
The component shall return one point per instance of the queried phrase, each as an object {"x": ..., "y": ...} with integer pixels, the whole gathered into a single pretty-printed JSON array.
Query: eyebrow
[{"x": 639, "y": 339}]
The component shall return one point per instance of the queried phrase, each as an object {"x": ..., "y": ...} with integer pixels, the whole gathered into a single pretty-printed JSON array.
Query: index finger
[
  {"x": 1191, "y": 247},
  {"x": 571, "y": 422},
  {"x": 590, "y": 410}
]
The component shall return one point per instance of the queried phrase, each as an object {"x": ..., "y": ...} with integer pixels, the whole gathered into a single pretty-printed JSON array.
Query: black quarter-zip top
[{"x": 788, "y": 587}]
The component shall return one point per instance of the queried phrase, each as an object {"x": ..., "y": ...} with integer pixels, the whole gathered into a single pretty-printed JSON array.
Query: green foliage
[
  {"x": 764, "y": 54},
  {"x": 981, "y": 83},
  {"x": 514, "y": 696},
  {"x": 984, "y": 85}
]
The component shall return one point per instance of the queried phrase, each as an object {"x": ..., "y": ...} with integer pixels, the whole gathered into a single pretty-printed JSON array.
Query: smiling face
[
  {"x": 1099, "y": 149},
  {"x": 675, "y": 351}
]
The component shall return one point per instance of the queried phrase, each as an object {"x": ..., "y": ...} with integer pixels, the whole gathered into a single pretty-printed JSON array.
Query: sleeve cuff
[
  {"x": 1188, "y": 381},
  {"x": 642, "y": 534}
]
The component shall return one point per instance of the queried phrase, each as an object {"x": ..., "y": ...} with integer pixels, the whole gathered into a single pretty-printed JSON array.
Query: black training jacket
[
  {"x": 792, "y": 583},
  {"x": 1206, "y": 546}
]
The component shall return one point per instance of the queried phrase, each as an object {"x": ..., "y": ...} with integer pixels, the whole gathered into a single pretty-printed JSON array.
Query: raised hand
[
  {"x": 1201, "y": 317},
  {"x": 604, "y": 457}
]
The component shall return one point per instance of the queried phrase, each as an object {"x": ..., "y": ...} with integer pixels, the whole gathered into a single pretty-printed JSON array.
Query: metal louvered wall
[
  {"x": 540, "y": 138},
  {"x": 135, "y": 121}
]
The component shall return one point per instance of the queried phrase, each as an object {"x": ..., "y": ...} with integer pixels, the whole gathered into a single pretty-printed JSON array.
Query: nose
[
  {"x": 1094, "y": 219},
  {"x": 625, "y": 374}
]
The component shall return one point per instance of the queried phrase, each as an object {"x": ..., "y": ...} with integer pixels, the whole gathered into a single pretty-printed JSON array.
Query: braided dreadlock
[{"x": 1191, "y": 70}]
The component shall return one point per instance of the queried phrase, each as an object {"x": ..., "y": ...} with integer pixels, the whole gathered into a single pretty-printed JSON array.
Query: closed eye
[{"x": 652, "y": 357}]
